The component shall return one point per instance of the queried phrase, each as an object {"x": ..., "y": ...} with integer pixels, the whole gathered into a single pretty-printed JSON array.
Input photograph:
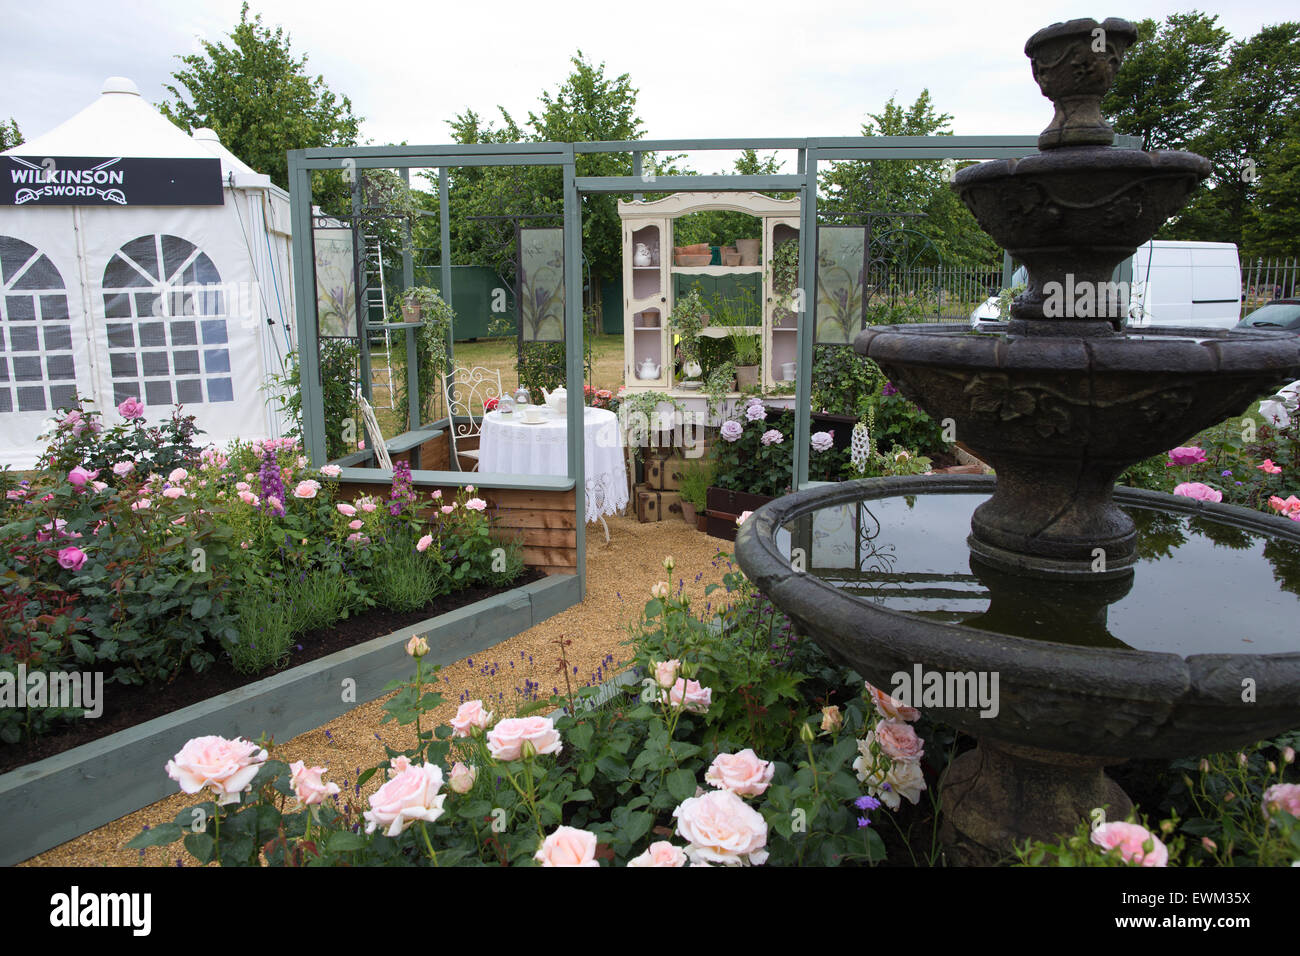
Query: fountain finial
[{"x": 1074, "y": 65}]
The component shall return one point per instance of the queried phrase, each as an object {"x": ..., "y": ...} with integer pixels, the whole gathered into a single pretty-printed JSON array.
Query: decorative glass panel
[
  {"x": 541, "y": 285},
  {"x": 841, "y": 269}
]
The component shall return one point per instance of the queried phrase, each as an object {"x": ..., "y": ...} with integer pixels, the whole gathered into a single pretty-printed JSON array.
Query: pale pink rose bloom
[
  {"x": 1268, "y": 467},
  {"x": 719, "y": 827},
  {"x": 423, "y": 543},
  {"x": 123, "y": 468},
  {"x": 180, "y": 520},
  {"x": 690, "y": 696},
  {"x": 307, "y": 488},
  {"x": 72, "y": 558},
  {"x": 462, "y": 778},
  {"x": 243, "y": 486},
  {"x": 1289, "y": 507},
  {"x": 302, "y": 461},
  {"x": 274, "y": 502},
  {"x": 1129, "y": 838},
  {"x": 368, "y": 506},
  {"x": 1198, "y": 491},
  {"x": 99, "y": 485},
  {"x": 506, "y": 740},
  {"x": 330, "y": 471},
  {"x": 1282, "y": 796},
  {"x": 308, "y": 786},
  {"x": 410, "y": 796},
  {"x": 904, "y": 778},
  {"x": 436, "y": 494},
  {"x": 140, "y": 505},
  {"x": 661, "y": 590},
  {"x": 399, "y": 765},
  {"x": 244, "y": 545},
  {"x": 476, "y": 504},
  {"x": 173, "y": 493},
  {"x": 470, "y": 715},
  {"x": 448, "y": 509},
  {"x": 832, "y": 719},
  {"x": 131, "y": 408},
  {"x": 469, "y": 489},
  {"x": 346, "y": 510},
  {"x": 744, "y": 774},
  {"x": 80, "y": 476},
  {"x": 361, "y": 444},
  {"x": 740, "y": 519},
  {"x": 248, "y": 498},
  {"x": 568, "y": 846},
  {"x": 666, "y": 672},
  {"x": 227, "y": 767},
  {"x": 178, "y": 475},
  {"x": 897, "y": 740},
  {"x": 356, "y": 524},
  {"x": 890, "y": 707},
  {"x": 661, "y": 853},
  {"x": 417, "y": 646}
]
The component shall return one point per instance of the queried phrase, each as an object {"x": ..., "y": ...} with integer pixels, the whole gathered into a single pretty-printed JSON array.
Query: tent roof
[{"x": 121, "y": 123}]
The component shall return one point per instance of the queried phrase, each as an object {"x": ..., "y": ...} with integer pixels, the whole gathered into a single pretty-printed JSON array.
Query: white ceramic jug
[{"x": 642, "y": 255}]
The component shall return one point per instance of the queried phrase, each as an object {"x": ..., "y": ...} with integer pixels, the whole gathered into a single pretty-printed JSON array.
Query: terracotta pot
[
  {"x": 410, "y": 312},
  {"x": 748, "y": 249},
  {"x": 688, "y": 512},
  {"x": 746, "y": 376}
]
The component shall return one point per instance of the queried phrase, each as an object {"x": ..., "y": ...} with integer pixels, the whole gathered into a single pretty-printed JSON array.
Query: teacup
[{"x": 533, "y": 415}]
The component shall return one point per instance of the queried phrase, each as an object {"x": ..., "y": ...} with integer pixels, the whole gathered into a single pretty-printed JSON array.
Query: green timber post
[
  {"x": 573, "y": 346},
  {"x": 304, "y": 290},
  {"x": 413, "y": 371},
  {"x": 806, "y": 317},
  {"x": 444, "y": 241}
]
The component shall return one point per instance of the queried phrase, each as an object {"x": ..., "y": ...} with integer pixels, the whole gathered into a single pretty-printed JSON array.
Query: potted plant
[
  {"x": 748, "y": 352},
  {"x": 740, "y": 316},
  {"x": 752, "y": 464},
  {"x": 686, "y": 320},
  {"x": 696, "y": 476}
]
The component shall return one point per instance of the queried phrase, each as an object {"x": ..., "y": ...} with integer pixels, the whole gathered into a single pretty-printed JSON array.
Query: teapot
[
  {"x": 556, "y": 399},
  {"x": 642, "y": 255},
  {"x": 648, "y": 369}
]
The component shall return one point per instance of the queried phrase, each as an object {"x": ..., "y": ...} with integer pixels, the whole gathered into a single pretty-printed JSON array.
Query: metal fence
[{"x": 1263, "y": 280}]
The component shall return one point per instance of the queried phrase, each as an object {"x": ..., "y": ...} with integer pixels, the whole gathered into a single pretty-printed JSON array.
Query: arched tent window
[
  {"x": 166, "y": 323},
  {"x": 37, "y": 371}
]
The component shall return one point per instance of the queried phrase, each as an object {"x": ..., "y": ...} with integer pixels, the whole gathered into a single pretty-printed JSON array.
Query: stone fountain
[{"x": 1061, "y": 401}]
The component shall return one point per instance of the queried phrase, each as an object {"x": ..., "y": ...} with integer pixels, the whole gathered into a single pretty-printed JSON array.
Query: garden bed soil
[{"x": 128, "y": 705}]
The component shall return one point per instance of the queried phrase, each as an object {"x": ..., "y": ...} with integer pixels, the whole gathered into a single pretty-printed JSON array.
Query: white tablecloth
[{"x": 509, "y": 445}]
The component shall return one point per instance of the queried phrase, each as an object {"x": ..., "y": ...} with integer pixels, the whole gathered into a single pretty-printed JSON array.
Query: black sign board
[{"x": 124, "y": 181}]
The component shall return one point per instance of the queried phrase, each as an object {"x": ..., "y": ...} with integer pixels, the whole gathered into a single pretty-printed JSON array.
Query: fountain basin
[{"x": 1060, "y": 418}]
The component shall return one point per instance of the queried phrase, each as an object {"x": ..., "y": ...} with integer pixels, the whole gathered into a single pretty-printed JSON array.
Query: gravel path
[{"x": 619, "y": 577}]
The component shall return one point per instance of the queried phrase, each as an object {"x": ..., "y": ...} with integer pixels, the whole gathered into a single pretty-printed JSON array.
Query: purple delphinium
[
  {"x": 889, "y": 390},
  {"x": 272, "y": 484},
  {"x": 403, "y": 493}
]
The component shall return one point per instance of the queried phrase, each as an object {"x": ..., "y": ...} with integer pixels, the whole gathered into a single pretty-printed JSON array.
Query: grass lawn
[{"x": 498, "y": 354}]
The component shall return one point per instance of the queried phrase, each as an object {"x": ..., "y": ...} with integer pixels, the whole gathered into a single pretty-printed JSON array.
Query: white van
[{"x": 1173, "y": 283}]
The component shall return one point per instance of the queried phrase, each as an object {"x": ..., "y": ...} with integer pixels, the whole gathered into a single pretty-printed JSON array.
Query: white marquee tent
[{"x": 168, "y": 303}]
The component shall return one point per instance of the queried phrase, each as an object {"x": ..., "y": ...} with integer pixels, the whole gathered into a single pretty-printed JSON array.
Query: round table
[{"x": 510, "y": 445}]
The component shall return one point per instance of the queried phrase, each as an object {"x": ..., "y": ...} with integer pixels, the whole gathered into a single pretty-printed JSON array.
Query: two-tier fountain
[{"x": 1121, "y": 624}]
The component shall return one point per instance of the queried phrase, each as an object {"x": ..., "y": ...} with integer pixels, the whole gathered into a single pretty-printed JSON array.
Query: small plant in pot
[
  {"x": 686, "y": 321},
  {"x": 748, "y": 356},
  {"x": 696, "y": 476}
]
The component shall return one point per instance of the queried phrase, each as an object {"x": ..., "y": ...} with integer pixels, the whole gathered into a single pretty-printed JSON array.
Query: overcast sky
[{"x": 718, "y": 69}]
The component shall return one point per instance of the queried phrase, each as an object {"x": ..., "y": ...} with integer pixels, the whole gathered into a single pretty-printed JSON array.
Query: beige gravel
[{"x": 619, "y": 577}]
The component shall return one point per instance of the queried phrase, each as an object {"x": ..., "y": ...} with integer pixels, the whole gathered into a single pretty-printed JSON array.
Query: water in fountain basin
[{"x": 1200, "y": 585}]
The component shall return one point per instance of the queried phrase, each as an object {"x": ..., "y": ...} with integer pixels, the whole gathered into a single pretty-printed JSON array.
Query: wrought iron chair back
[{"x": 465, "y": 390}]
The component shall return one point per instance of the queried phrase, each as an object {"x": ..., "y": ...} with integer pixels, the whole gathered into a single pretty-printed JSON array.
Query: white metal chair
[
  {"x": 465, "y": 390},
  {"x": 372, "y": 429}
]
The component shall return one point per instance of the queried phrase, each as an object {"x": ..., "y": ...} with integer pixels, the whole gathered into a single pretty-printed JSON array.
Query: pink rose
[
  {"x": 140, "y": 505},
  {"x": 227, "y": 767},
  {"x": 368, "y": 506},
  {"x": 178, "y": 475},
  {"x": 1186, "y": 455},
  {"x": 568, "y": 846},
  {"x": 410, "y": 796},
  {"x": 423, "y": 544},
  {"x": 72, "y": 558},
  {"x": 469, "y": 716},
  {"x": 302, "y": 461},
  {"x": 1129, "y": 838},
  {"x": 346, "y": 510},
  {"x": 173, "y": 493},
  {"x": 123, "y": 468},
  {"x": 690, "y": 696},
  {"x": 832, "y": 719},
  {"x": 898, "y": 740},
  {"x": 330, "y": 471},
  {"x": 1198, "y": 491},
  {"x": 417, "y": 646},
  {"x": 476, "y": 504},
  {"x": 356, "y": 524},
  {"x": 719, "y": 827},
  {"x": 131, "y": 408},
  {"x": 448, "y": 509},
  {"x": 399, "y": 765},
  {"x": 243, "y": 486},
  {"x": 308, "y": 786},
  {"x": 79, "y": 476},
  {"x": 661, "y": 590},
  {"x": 462, "y": 778},
  {"x": 1269, "y": 468},
  {"x": 307, "y": 488},
  {"x": 741, "y": 518},
  {"x": 248, "y": 498},
  {"x": 741, "y": 773},
  {"x": 666, "y": 672},
  {"x": 890, "y": 707},
  {"x": 661, "y": 853},
  {"x": 506, "y": 740},
  {"x": 1282, "y": 796},
  {"x": 275, "y": 503},
  {"x": 1290, "y": 507},
  {"x": 436, "y": 494}
]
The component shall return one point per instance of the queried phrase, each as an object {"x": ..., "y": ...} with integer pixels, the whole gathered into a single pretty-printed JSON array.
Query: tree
[
  {"x": 261, "y": 102},
  {"x": 882, "y": 187},
  {"x": 10, "y": 135}
]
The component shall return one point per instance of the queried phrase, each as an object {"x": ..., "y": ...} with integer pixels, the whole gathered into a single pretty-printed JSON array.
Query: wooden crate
[{"x": 725, "y": 506}]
